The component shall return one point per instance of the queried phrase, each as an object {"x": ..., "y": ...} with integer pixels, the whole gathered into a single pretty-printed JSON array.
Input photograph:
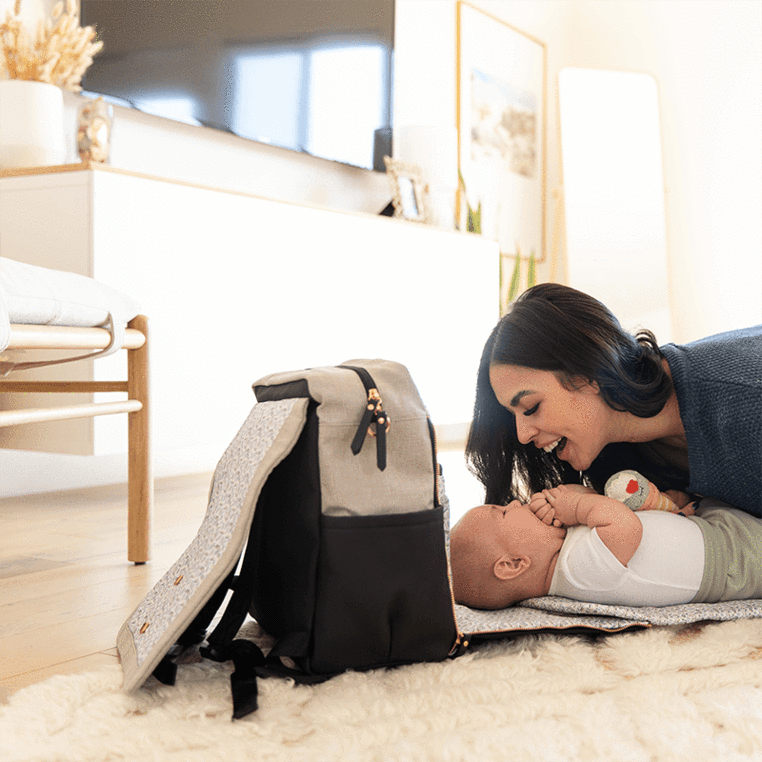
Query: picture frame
[
  {"x": 408, "y": 191},
  {"x": 502, "y": 134}
]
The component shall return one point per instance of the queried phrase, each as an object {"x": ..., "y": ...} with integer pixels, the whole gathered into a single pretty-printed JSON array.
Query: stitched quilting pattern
[
  {"x": 554, "y": 612},
  {"x": 230, "y": 485},
  {"x": 518, "y": 618},
  {"x": 656, "y": 615}
]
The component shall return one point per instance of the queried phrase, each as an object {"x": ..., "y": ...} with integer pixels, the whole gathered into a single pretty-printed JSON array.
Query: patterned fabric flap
[{"x": 266, "y": 437}]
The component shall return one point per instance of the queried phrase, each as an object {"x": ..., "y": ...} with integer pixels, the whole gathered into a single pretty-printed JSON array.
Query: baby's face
[{"x": 515, "y": 527}]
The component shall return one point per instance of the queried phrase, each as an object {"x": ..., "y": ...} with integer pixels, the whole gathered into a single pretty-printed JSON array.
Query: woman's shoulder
[{"x": 730, "y": 357}]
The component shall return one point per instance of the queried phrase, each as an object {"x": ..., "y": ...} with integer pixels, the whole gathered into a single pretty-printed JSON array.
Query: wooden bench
[{"x": 140, "y": 476}]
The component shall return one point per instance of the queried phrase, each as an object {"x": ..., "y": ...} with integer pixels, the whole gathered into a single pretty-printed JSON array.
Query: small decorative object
[
  {"x": 94, "y": 130},
  {"x": 34, "y": 68},
  {"x": 408, "y": 192},
  {"x": 59, "y": 52},
  {"x": 501, "y": 120},
  {"x": 433, "y": 148}
]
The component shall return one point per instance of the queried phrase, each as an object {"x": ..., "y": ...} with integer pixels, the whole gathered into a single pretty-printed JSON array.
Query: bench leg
[{"x": 140, "y": 480}]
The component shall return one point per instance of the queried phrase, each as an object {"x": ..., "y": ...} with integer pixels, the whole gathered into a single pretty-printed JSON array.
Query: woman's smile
[{"x": 568, "y": 421}]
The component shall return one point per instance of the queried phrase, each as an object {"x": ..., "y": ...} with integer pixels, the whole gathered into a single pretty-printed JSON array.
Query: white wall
[
  {"x": 705, "y": 54},
  {"x": 710, "y": 65},
  {"x": 707, "y": 58}
]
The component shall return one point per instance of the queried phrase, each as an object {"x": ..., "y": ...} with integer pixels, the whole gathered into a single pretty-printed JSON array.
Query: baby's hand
[
  {"x": 563, "y": 501},
  {"x": 683, "y": 501},
  {"x": 680, "y": 499},
  {"x": 543, "y": 510}
]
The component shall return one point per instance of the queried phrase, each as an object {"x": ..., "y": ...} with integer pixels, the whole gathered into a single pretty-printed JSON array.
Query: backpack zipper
[{"x": 374, "y": 414}]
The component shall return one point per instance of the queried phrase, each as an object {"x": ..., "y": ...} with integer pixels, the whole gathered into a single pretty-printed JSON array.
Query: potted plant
[{"x": 34, "y": 69}]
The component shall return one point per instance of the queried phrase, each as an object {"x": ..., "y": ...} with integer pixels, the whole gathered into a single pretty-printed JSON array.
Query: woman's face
[{"x": 573, "y": 423}]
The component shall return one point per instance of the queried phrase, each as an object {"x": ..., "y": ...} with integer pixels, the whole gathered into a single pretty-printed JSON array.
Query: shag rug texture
[{"x": 680, "y": 693}]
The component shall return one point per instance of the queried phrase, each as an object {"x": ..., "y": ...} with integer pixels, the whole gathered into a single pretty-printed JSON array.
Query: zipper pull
[
  {"x": 374, "y": 398},
  {"x": 460, "y": 645},
  {"x": 382, "y": 425},
  {"x": 375, "y": 421}
]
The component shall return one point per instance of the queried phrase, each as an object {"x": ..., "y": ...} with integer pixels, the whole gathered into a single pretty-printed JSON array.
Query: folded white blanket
[{"x": 40, "y": 296}]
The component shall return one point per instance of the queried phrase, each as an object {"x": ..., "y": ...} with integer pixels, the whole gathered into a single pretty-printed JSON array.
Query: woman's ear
[
  {"x": 507, "y": 568},
  {"x": 581, "y": 384}
]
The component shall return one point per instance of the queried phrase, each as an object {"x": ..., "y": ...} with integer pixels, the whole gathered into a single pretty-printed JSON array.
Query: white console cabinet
[{"x": 237, "y": 286}]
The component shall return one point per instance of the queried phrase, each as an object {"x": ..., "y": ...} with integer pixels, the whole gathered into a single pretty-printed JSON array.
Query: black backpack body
[{"x": 327, "y": 521}]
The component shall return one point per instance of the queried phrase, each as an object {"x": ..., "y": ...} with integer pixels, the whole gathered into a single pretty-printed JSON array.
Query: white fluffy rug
[{"x": 670, "y": 693}]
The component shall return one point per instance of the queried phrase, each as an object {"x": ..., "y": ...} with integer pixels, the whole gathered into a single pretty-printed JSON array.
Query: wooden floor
[{"x": 66, "y": 586}]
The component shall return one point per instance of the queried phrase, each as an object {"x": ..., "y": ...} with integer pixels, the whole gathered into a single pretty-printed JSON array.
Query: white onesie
[{"x": 666, "y": 569}]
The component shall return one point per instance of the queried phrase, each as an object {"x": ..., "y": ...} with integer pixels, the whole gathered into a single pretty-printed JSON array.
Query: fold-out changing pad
[{"x": 551, "y": 613}]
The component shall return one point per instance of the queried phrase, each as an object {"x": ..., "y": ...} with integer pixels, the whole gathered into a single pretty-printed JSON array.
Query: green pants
[{"x": 733, "y": 553}]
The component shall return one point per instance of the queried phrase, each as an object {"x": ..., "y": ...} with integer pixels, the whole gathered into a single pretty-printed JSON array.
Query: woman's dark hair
[{"x": 559, "y": 329}]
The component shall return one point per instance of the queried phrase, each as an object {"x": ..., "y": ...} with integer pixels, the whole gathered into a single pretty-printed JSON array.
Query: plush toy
[{"x": 637, "y": 493}]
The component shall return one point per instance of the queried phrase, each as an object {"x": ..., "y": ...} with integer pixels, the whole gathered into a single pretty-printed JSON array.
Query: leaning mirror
[{"x": 613, "y": 191}]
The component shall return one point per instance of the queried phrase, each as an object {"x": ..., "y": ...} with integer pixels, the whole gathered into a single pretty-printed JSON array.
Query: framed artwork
[
  {"x": 501, "y": 115},
  {"x": 408, "y": 192}
]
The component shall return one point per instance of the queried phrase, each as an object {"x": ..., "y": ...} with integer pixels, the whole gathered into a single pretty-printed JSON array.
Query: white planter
[{"x": 31, "y": 124}]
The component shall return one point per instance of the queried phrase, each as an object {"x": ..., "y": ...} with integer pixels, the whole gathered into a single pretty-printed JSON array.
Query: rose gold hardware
[
  {"x": 381, "y": 421},
  {"x": 144, "y": 628},
  {"x": 179, "y": 580}
]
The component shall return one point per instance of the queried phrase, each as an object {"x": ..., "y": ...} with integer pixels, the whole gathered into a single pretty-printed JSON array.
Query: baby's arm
[{"x": 618, "y": 527}]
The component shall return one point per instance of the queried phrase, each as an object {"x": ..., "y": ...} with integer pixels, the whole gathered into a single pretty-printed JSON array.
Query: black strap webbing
[
  {"x": 166, "y": 670},
  {"x": 238, "y": 605}
]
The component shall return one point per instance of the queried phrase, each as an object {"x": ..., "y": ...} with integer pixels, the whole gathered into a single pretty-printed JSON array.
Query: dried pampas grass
[{"x": 59, "y": 53}]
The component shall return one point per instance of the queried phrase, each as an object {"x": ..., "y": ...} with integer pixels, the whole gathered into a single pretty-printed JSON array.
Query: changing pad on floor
[{"x": 554, "y": 613}]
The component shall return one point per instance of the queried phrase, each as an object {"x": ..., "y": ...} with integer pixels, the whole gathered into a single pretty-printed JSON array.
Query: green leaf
[
  {"x": 473, "y": 216},
  {"x": 476, "y": 217},
  {"x": 513, "y": 289},
  {"x": 532, "y": 271}
]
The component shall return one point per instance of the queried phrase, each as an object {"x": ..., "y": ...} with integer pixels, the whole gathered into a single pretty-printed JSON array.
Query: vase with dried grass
[{"x": 35, "y": 67}]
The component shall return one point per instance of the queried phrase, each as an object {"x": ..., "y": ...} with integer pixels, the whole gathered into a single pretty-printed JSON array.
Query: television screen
[{"x": 309, "y": 75}]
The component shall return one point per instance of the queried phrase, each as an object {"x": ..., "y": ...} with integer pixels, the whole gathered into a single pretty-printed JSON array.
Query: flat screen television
[{"x": 308, "y": 75}]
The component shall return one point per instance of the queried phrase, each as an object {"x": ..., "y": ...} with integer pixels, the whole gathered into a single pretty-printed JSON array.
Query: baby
[{"x": 572, "y": 542}]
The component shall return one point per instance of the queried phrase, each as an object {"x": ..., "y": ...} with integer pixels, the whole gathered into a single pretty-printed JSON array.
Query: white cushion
[{"x": 41, "y": 296}]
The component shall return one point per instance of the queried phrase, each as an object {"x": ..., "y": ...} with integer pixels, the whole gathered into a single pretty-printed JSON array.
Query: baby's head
[{"x": 501, "y": 554}]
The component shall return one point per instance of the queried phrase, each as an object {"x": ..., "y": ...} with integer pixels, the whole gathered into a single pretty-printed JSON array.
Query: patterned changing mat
[{"x": 554, "y": 613}]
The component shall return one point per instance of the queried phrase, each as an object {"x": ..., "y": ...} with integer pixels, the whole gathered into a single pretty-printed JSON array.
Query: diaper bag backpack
[{"x": 326, "y": 521}]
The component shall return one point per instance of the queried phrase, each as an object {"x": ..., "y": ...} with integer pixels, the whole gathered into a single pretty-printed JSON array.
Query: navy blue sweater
[{"x": 718, "y": 381}]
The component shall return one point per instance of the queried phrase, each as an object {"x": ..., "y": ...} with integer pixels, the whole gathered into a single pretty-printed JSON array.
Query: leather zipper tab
[{"x": 375, "y": 420}]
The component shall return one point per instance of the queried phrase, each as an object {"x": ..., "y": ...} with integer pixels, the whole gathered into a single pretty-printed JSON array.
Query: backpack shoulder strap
[{"x": 266, "y": 437}]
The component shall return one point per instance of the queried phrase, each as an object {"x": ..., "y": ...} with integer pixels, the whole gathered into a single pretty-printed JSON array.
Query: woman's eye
[{"x": 532, "y": 410}]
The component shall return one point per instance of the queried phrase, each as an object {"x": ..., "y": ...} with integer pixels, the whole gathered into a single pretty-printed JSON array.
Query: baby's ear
[{"x": 507, "y": 568}]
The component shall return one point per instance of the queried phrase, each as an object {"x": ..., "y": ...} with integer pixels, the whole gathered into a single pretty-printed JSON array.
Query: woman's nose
[{"x": 524, "y": 430}]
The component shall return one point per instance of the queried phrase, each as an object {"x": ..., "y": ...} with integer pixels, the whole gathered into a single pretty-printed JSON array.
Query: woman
[{"x": 565, "y": 395}]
